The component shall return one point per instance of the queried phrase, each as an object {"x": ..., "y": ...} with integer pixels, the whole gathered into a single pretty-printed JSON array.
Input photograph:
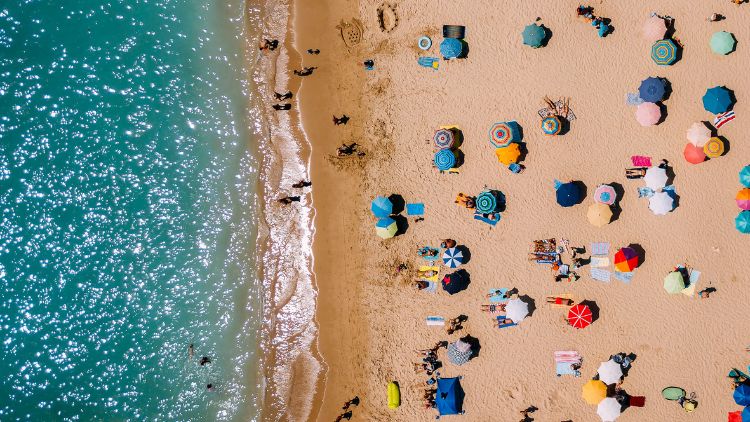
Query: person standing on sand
[
  {"x": 268, "y": 45},
  {"x": 344, "y": 119},
  {"x": 289, "y": 199},
  {"x": 313, "y": 51},
  {"x": 354, "y": 401},
  {"x": 302, "y": 184},
  {"x": 281, "y": 97},
  {"x": 278, "y": 107},
  {"x": 306, "y": 71}
]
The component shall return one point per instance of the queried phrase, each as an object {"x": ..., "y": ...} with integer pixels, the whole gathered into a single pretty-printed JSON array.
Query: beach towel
[
  {"x": 723, "y": 118},
  {"x": 633, "y": 99},
  {"x": 434, "y": 269},
  {"x": 416, "y": 209},
  {"x": 568, "y": 356},
  {"x": 600, "y": 248},
  {"x": 431, "y": 62},
  {"x": 431, "y": 258},
  {"x": 600, "y": 261},
  {"x": 735, "y": 416},
  {"x": 692, "y": 288},
  {"x": 502, "y": 317},
  {"x": 624, "y": 277},
  {"x": 600, "y": 274},
  {"x": 480, "y": 217},
  {"x": 435, "y": 320},
  {"x": 557, "y": 111},
  {"x": 431, "y": 287},
  {"x": 637, "y": 401},
  {"x": 641, "y": 161},
  {"x": 498, "y": 298},
  {"x": 563, "y": 368}
]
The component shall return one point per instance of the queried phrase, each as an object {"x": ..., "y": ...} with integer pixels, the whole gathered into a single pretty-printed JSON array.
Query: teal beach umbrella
[
  {"x": 717, "y": 100},
  {"x": 486, "y": 202},
  {"x": 445, "y": 159},
  {"x": 533, "y": 35},
  {"x": 722, "y": 42},
  {"x": 742, "y": 222},
  {"x": 664, "y": 52},
  {"x": 745, "y": 176}
]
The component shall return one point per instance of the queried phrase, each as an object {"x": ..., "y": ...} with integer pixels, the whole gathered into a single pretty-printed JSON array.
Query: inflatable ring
[{"x": 424, "y": 42}]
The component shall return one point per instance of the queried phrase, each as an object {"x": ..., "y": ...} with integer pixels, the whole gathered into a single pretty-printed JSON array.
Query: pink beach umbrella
[
  {"x": 648, "y": 114},
  {"x": 605, "y": 194},
  {"x": 654, "y": 29}
]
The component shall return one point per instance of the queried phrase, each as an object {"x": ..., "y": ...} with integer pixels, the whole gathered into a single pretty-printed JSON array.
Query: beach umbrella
[
  {"x": 502, "y": 134},
  {"x": 381, "y": 207},
  {"x": 656, "y": 177},
  {"x": 664, "y": 52},
  {"x": 714, "y": 148},
  {"x": 654, "y": 28},
  {"x": 626, "y": 260},
  {"x": 455, "y": 282},
  {"x": 386, "y": 228},
  {"x": 453, "y": 257},
  {"x": 651, "y": 90},
  {"x": 516, "y": 310},
  {"x": 580, "y": 316},
  {"x": 594, "y": 391},
  {"x": 610, "y": 372},
  {"x": 551, "y": 125},
  {"x": 746, "y": 414},
  {"x": 533, "y": 35},
  {"x": 648, "y": 114},
  {"x": 459, "y": 352},
  {"x": 722, "y": 42},
  {"x": 742, "y": 222},
  {"x": 609, "y": 409},
  {"x": 698, "y": 134},
  {"x": 445, "y": 159},
  {"x": 451, "y": 48},
  {"x": 743, "y": 199},
  {"x": 486, "y": 202},
  {"x": 717, "y": 100},
  {"x": 694, "y": 154},
  {"x": 660, "y": 203},
  {"x": 745, "y": 176},
  {"x": 508, "y": 155},
  {"x": 568, "y": 194},
  {"x": 605, "y": 194},
  {"x": 443, "y": 139},
  {"x": 599, "y": 214},
  {"x": 742, "y": 395},
  {"x": 674, "y": 282}
]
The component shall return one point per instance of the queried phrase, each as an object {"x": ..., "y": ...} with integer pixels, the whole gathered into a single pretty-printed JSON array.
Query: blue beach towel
[
  {"x": 435, "y": 320},
  {"x": 502, "y": 317},
  {"x": 480, "y": 217},
  {"x": 498, "y": 298},
  {"x": 416, "y": 209},
  {"x": 431, "y": 62},
  {"x": 600, "y": 274},
  {"x": 563, "y": 368},
  {"x": 624, "y": 277}
]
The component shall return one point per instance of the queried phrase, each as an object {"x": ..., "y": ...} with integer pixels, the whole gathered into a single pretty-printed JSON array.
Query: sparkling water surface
[{"x": 127, "y": 177}]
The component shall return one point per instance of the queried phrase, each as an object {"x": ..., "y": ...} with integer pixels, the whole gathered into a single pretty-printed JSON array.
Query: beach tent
[
  {"x": 599, "y": 214},
  {"x": 605, "y": 194},
  {"x": 455, "y": 282},
  {"x": 459, "y": 352},
  {"x": 664, "y": 52},
  {"x": 594, "y": 391},
  {"x": 654, "y": 28},
  {"x": 445, "y": 159},
  {"x": 743, "y": 199},
  {"x": 486, "y": 202},
  {"x": 661, "y": 203},
  {"x": 453, "y": 257},
  {"x": 626, "y": 260},
  {"x": 652, "y": 90},
  {"x": 742, "y": 222},
  {"x": 508, "y": 155},
  {"x": 609, "y": 409},
  {"x": 449, "y": 397},
  {"x": 516, "y": 310},
  {"x": 610, "y": 372},
  {"x": 580, "y": 316},
  {"x": 443, "y": 139},
  {"x": 648, "y": 114},
  {"x": 745, "y": 176},
  {"x": 714, "y": 147},
  {"x": 674, "y": 282},
  {"x": 551, "y": 125},
  {"x": 698, "y": 134},
  {"x": 502, "y": 134},
  {"x": 386, "y": 228},
  {"x": 722, "y": 42},
  {"x": 534, "y": 35},
  {"x": 381, "y": 207},
  {"x": 451, "y": 48},
  {"x": 694, "y": 154},
  {"x": 742, "y": 395},
  {"x": 568, "y": 194},
  {"x": 656, "y": 177},
  {"x": 717, "y": 100}
]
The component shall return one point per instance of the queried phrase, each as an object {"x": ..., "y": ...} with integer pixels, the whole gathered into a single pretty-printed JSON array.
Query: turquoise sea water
[{"x": 127, "y": 177}]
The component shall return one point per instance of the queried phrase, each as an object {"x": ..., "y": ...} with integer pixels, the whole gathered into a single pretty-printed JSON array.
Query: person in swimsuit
[
  {"x": 559, "y": 300},
  {"x": 492, "y": 308}
]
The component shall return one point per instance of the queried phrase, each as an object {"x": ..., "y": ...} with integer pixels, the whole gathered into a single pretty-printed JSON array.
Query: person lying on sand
[
  {"x": 498, "y": 293},
  {"x": 429, "y": 404},
  {"x": 313, "y": 51},
  {"x": 465, "y": 200},
  {"x": 305, "y": 71},
  {"x": 499, "y": 322},
  {"x": 454, "y": 325},
  {"x": 559, "y": 300},
  {"x": 426, "y": 273},
  {"x": 281, "y": 97},
  {"x": 447, "y": 243},
  {"x": 493, "y": 307},
  {"x": 427, "y": 251},
  {"x": 635, "y": 173},
  {"x": 281, "y": 106}
]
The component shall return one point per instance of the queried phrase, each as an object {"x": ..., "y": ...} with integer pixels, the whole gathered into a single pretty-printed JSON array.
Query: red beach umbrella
[
  {"x": 626, "y": 260},
  {"x": 694, "y": 154},
  {"x": 580, "y": 316}
]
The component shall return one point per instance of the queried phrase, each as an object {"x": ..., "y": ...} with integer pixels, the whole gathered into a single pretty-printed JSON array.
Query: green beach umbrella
[
  {"x": 722, "y": 42},
  {"x": 386, "y": 228},
  {"x": 664, "y": 52},
  {"x": 674, "y": 282},
  {"x": 533, "y": 35}
]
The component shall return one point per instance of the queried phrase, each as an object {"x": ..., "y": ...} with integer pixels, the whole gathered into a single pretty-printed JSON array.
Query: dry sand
[{"x": 371, "y": 322}]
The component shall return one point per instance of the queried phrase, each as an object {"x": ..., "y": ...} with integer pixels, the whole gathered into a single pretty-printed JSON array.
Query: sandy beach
[{"x": 371, "y": 320}]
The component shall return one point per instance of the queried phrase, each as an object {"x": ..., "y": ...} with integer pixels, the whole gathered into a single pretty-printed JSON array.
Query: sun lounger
[
  {"x": 502, "y": 317},
  {"x": 600, "y": 248},
  {"x": 600, "y": 274},
  {"x": 433, "y": 278},
  {"x": 415, "y": 210},
  {"x": 624, "y": 277},
  {"x": 435, "y": 320},
  {"x": 600, "y": 261},
  {"x": 431, "y": 62},
  {"x": 480, "y": 217},
  {"x": 498, "y": 298}
]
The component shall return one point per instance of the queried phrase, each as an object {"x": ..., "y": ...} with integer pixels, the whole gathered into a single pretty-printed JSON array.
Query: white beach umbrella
[
  {"x": 609, "y": 409},
  {"x": 698, "y": 134},
  {"x": 661, "y": 203},
  {"x": 610, "y": 372},
  {"x": 656, "y": 178},
  {"x": 516, "y": 310}
]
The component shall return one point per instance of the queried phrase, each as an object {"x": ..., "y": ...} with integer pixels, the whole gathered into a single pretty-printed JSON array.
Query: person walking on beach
[
  {"x": 344, "y": 119},
  {"x": 302, "y": 184},
  {"x": 313, "y": 51},
  {"x": 306, "y": 71},
  {"x": 282, "y": 106},
  {"x": 281, "y": 97},
  {"x": 354, "y": 401},
  {"x": 269, "y": 45},
  {"x": 289, "y": 199}
]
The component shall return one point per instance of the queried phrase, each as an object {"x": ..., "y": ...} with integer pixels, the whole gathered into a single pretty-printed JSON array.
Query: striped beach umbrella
[
  {"x": 445, "y": 159},
  {"x": 664, "y": 52},
  {"x": 551, "y": 125},
  {"x": 486, "y": 202},
  {"x": 745, "y": 176},
  {"x": 714, "y": 148},
  {"x": 453, "y": 257},
  {"x": 694, "y": 154},
  {"x": 743, "y": 199},
  {"x": 533, "y": 35},
  {"x": 609, "y": 409},
  {"x": 605, "y": 194},
  {"x": 594, "y": 391},
  {"x": 652, "y": 89},
  {"x": 654, "y": 28},
  {"x": 580, "y": 316},
  {"x": 656, "y": 178},
  {"x": 451, "y": 48},
  {"x": 717, "y": 100},
  {"x": 674, "y": 282},
  {"x": 660, "y": 203},
  {"x": 502, "y": 134},
  {"x": 722, "y": 42},
  {"x": 626, "y": 260},
  {"x": 599, "y": 214},
  {"x": 648, "y": 114},
  {"x": 386, "y": 228},
  {"x": 508, "y": 155},
  {"x": 698, "y": 134},
  {"x": 742, "y": 222},
  {"x": 443, "y": 139},
  {"x": 381, "y": 207}
]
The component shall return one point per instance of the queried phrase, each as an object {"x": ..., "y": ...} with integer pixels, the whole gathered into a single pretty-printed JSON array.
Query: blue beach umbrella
[
  {"x": 551, "y": 125},
  {"x": 533, "y": 35},
  {"x": 717, "y": 100},
  {"x": 746, "y": 414},
  {"x": 451, "y": 48},
  {"x": 651, "y": 90},
  {"x": 381, "y": 207},
  {"x": 486, "y": 202},
  {"x": 742, "y": 222},
  {"x": 568, "y": 194},
  {"x": 453, "y": 257},
  {"x": 745, "y": 176},
  {"x": 664, "y": 52},
  {"x": 445, "y": 159},
  {"x": 742, "y": 395},
  {"x": 386, "y": 228}
]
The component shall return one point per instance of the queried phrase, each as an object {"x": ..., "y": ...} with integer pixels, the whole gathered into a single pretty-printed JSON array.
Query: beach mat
[
  {"x": 433, "y": 278},
  {"x": 431, "y": 287},
  {"x": 600, "y": 261},
  {"x": 600, "y": 274},
  {"x": 435, "y": 320},
  {"x": 502, "y": 317},
  {"x": 600, "y": 248},
  {"x": 624, "y": 277},
  {"x": 499, "y": 297},
  {"x": 415, "y": 209},
  {"x": 563, "y": 368},
  {"x": 479, "y": 217}
]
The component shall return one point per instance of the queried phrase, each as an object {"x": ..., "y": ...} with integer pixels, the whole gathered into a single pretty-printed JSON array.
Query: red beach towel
[{"x": 641, "y": 161}]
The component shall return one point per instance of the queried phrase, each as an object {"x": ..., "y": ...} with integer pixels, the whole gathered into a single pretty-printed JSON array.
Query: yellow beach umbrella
[
  {"x": 508, "y": 155},
  {"x": 594, "y": 391},
  {"x": 599, "y": 214},
  {"x": 714, "y": 148}
]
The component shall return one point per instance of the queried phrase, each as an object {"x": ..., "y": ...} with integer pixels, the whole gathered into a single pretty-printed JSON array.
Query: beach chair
[
  {"x": 480, "y": 217},
  {"x": 415, "y": 210},
  {"x": 502, "y": 317},
  {"x": 431, "y": 62}
]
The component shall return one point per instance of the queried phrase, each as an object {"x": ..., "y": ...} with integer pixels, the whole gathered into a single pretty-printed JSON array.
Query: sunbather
[
  {"x": 493, "y": 307},
  {"x": 559, "y": 300},
  {"x": 636, "y": 172},
  {"x": 427, "y": 251},
  {"x": 500, "y": 322},
  {"x": 498, "y": 293},
  {"x": 465, "y": 201},
  {"x": 454, "y": 325},
  {"x": 421, "y": 284},
  {"x": 426, "y": 273}
]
